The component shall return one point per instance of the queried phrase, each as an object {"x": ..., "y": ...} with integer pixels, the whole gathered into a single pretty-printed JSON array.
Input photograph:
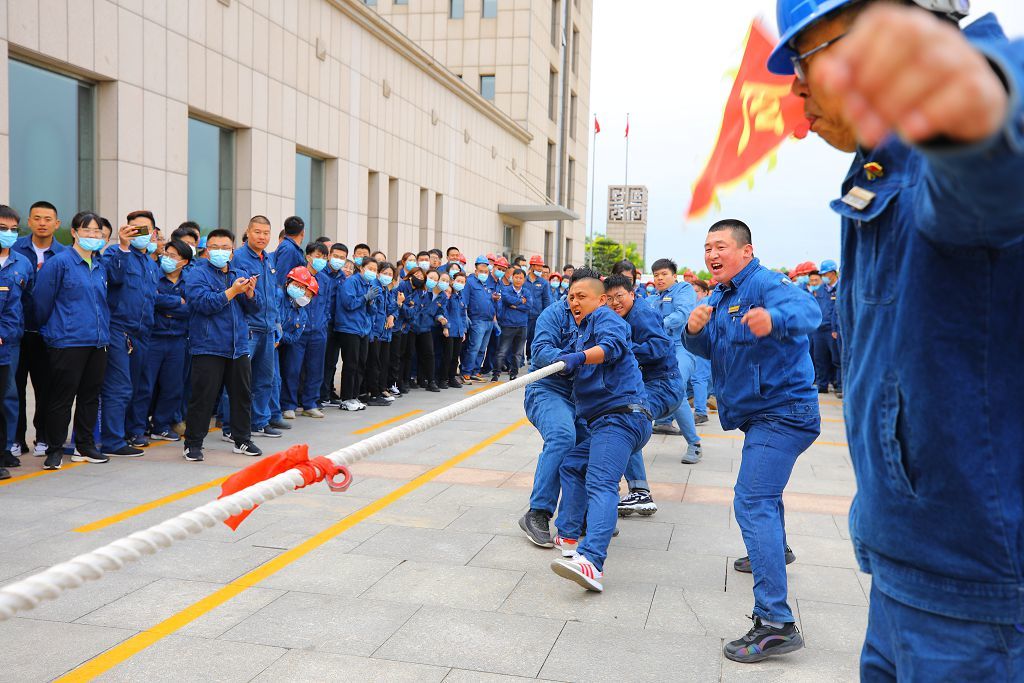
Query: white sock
[{"x": 773, "y": 624}]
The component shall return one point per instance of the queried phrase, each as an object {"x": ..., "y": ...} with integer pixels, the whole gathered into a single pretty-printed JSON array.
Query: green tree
[
  {"x": 608, "y": 252},
  {"x": 632, "y": 254},
  {"x": 704, "y": 275}
]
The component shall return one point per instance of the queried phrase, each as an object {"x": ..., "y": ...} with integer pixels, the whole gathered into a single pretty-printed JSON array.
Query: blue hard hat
[
  {"x": 794, "y": 16},
  {"x": 828, "y": 266},
  {"x": 481, "y": 260}
]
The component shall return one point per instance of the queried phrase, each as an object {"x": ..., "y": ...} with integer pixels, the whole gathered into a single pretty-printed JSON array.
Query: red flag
[
  {"x": 627, "y": 125},
  {"x": 761, "y": 112},
  {"x": 597, "y": 126}
]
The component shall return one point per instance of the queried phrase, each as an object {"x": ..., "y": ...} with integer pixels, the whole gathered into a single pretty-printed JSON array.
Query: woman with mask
[
  {"x": 378, "y": 358},
  {"x": 442, "y": 291},
  {"x": 405, "y": 264},
  {"x": 353, "y": 311},
  {"x": 293, "y": 309},
  {"x": 421, "y": 310},
  {"x": 16, "y": 272},
  {"x": 400, "y": 351},
  {"x": 555, "y": 282},
  {"x": 454, "y": 332}
]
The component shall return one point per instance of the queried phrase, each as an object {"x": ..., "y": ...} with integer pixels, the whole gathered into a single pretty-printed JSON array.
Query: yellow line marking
[
  {"x": 33, "y": 475},
  {"x": 830, "y": 403},
  {"x": 385, "y": 423},
  {"x": 139, "y": 642},
  {"x": 146, "y": 507},
  {"x": 832, "y": 419},
  {"x": 733, "y": 437},
  {"x": 490, "y": 385}
]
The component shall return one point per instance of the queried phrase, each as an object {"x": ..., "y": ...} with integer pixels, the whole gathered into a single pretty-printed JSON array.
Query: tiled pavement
[{"x": 437, "y": 585}]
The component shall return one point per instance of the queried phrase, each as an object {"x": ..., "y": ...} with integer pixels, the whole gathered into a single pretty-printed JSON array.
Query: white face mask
[{"x": 302, "y": 301}]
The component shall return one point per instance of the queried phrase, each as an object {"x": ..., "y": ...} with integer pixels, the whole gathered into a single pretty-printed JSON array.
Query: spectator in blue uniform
[
  {"x": 302, "y": 365},
  {"x": 378, "y": 356},
  {"x": 16, "y": 274},
  {"x": 336, "y": 272},
  {"x": 289, "y": 252},
  {"x": 540, "y": 296},
  {"x": 700, "y": 381},
  {"x": 481, "y": 300},
  {"x": 293, "y": 317},
  {"x": 353, "y": 313},
  {"x": 514, "y": 315},
  {"x": 829, "y": 290},
  {"x": 454, "y": 326}
]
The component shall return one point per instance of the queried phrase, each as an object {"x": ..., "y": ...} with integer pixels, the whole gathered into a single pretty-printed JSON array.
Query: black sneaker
[
  {"x": 138, "y": 441},
  {"x": 699, "y": 419},
  {"x": 764, "y": 641},
  {"x": 123, "y": 452},
  {"x": 432, "y": 387},
  {"x": 743, "y": 563},
  {"x": 280, "y": 424},
  {"x": 268, "y": 432},
  {"x": 8, "y": 459},
  {"x": 247, "y": 448},
  {"x": 378, "y": 401},
  {"x": 169, "y": 435},
  {"x": 839, "y": 393},
  {"x": 639, "y": 501},
  {"x": 4, "y": 474},
  {"x": 225, "y": 435},
  {"x": 536, "y": 524},
  {"x": 194, "y": 453},
  {"x": 53, "y": 461}
]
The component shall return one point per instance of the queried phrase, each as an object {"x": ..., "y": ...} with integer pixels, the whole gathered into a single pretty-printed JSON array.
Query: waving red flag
[
  {"x": 597, "y": 126},
  {"x": 760, "y": 114}
]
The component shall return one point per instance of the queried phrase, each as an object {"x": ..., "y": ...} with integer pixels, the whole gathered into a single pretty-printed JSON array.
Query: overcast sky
[{"x": 666, "y": 63}]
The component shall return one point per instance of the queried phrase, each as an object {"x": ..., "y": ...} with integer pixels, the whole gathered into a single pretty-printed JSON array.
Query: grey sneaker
[
  {"x": 669, "y": 430},
  {"x": 699, "y": 419},
  {"x": 693, "y": 454},
  {"x": 535, "y": 523},
  {"x": 743, "y": 564},
  {"x": 764, "y": 641}
]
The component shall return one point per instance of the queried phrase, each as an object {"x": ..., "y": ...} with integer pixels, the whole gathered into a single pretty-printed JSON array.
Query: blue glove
[{"x": 572, "y": 361}]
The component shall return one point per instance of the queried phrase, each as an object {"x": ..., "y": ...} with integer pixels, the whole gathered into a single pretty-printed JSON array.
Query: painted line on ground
[
  {"x": 33, "y": 475},
  {"x": 484, "y": 388},
  {"x": 146, "y": 507},
  {"x": 385, "y": 423},
  {"x": 106, "y": 661}
]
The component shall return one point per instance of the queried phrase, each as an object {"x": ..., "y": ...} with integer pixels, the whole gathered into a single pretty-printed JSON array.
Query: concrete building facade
[{"x": 216, "y": 110}]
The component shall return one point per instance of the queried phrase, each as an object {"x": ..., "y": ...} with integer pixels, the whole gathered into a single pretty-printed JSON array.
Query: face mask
[
  {"x": 458, "y": 286},
  {"x": 167, "y": 264},
  {"x": 803, "y": 280},
  {"x": 303, "y": 301},
  {"x": 220, "y": 257},
  {"x": 565, "y": 284},
  {"x": 482, "y": 277},
  {"x": 151, "y": 248},
  {"x": 442, "y": 286},
  {"x": 337, "y": 263},
  {"x": 813, "y": 288},
  {"x": 417, "y": 282},
  {"x": 295, "y": 292},
  {"x": 650, "y": 289},
  {"x": 385, "y": 279},
  {"x": 142, "y": 241},
  {"x": 319, "y": 264},
  {"x": 490, "y": 267},
  {"x": 453, "y": 270},
  {"x": 554, "y": 285},
  {"x": 499, "y": 273},
  {"x": 425, "y": 265},
  {"x": 369, "y": 275},
  {"x": 409, "y": 265},
  {"x": 8, "y": 238},
  {"x": 91, "y": 243},
  {"x": 431, "y": 284},
  {"x": 358, "y": 260},
  {"x": 538, "y": 273}
]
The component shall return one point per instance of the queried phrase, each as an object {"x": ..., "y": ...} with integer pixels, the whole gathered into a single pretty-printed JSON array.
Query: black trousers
[
  {"x": 398, "y": 341},
  {"x": 5, "y": 373},
  {"x": 408, "y": 344},
  {"x": 330, "y": 367},
  {"x": 354, "y": 350},
  {"x": 450, "y": 350},
  {"x": 378, "y": 360},
  {"x": 76, "y": 375},
  {"x": 34, "y": 361},
  {"x": 210, "y": 374},
  {"x": 425, "y": 357}
]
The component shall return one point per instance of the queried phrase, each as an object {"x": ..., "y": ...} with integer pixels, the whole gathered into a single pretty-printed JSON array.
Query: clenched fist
[
  {"x": 759, "y": 320},
  {"x": 699, "y": 318}
]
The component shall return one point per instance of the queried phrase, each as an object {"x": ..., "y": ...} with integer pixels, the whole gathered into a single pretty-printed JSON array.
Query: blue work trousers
[
  {"x": 10, "y": 402},
  {"x": 302, "y": 372},
  {"x": 274, "y": 404},
  {"x": 512, "y": 339},
  {"x": 137, "y": 415},
  {"x": 664, "y": 396},
  {"x": 163, "y": 378},
  {"x": 554, "y": 416},
  {"x": 473, "y": 354},
  {"x": 904, "y": 643},
  {"x": 700, "y": 385},
  {"x": 771, "y": 446},
  {"x": 822, "y": 346},
  {"x": 590, "y": 475},
  {"x": 682, "y": 415},
  {"x": 491, "y": 355},
  {"x": 124, "y": 372}
]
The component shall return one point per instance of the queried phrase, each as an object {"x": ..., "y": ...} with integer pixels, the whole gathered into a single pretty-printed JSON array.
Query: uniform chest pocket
[
  {"x": 876, "y": 233},
  {"x": 735, "y": 330}
]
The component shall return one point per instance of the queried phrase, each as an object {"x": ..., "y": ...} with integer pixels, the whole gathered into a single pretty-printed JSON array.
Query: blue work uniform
[
  {"x": 312, "y": 346},
  {"x": 294, "y": 321},
  {"x": 482, "y": 310},
  {"x": 764, "y": 389},
  {"x": 675, "y": 305},
  {"x": 217, "y": 326},
  {"x": 264, "y": 331},
  {"x": 455, "y": 312},
  {"x": 494, "y": 344},
  {"x": 288, "y": 255},
  {"x": 821, "y": 340},
  {"x": 164, "y": 375},
  {"x": 610, "y": 397},
  {"x": 352, "y": 312},
  {"x": 337, "y": 278},
  {"x": 540, "y": 299},
  {"x": 15, "y": 280},
  {"x": 513, "y": 316}
]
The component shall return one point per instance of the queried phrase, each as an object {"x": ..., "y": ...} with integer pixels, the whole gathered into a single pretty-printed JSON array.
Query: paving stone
[
  {"x": 829, "y": 552},
  {"x": 301, "y": 667},
  {"x": 482, "y": 641},
  {"x": 323, "y": 622},
  {"x": 803, "y": 666},
  {"x": 588, "y": 652},
  {"x": 700, "y": 612},
  {"x": 66, "y": 646},
  {"x": 198, "y": 560},
  {"x": 91, "y": 596},
  {"x": 516, "y": 553},
  {"x": 464, "y": 676},
  {"x": 623, "y": 604},
  {"x": 486, "y": 520},
  {"x": 665, "y": 569},
  {"x": 698, "y": 514},
  {"x": 426, "y": 583},
  {"x": 503, "y": 499},
  {"x": 331, "y": 570},
  {"x": 830, "y": 626},
  {"x": 811, "y": 524},
  {"x": 227, "y": 615},
  {"x": 699, "y": 540},
  {"x": 422, "y": 514},
  {"x": 178, "y": 658},
  {"x": 150, "y": 604},
  {"x": 427, "y": 545},
  {"x": 813, "y": 582}
]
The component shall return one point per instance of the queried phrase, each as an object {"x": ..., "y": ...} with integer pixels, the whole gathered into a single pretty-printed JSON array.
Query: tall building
[{"x": 407, "y": 125}]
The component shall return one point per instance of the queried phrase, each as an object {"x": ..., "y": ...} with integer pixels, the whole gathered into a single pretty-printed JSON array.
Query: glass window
[
  {"x": 211, "y": 175},
  {"x": 556, "y": 22},
  {"x": 490, "y": 9},
  {"x": 401, "y": 2},
  {"x": 371, "y": 3},
  {"x": 573, "y": 105},
  {"x": 487, "y": 87},
  {"x": 456, "y": 9},
  {"x": 553, "y": 95},
  {"x": 550, "y": 184},
  {"x": 575, "y": 50},
  {"x": 309, "y": 194},
  {"x": 570, "y": 182},
  {"x": 52, "y": 147}
]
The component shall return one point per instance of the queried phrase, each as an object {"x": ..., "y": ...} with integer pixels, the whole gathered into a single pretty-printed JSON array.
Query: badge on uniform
[
  {"x": 873, "y": 170},
  {"x": 667, "y": 299},
  {"x": 734, "y": 309},
  {"x": 859, "y": 198}
]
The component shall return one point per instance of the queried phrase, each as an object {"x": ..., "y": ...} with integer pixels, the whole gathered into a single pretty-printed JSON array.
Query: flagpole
[
  {"x": 626, "y": 183},
  {"x": 593, "y": 167}
]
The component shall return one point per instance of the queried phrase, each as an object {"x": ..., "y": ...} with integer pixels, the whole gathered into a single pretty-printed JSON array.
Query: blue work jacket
[
  {"x": 540, "y": 290},
  {"x": 754, "y": 376},
  {"x": 403, "y": 313},
  {"x": 131, "y": 289},
  {"x": 931, "y": 372},
  {"x": 653, "y": 349},
  {"x": 247, "y": 263},
  {"x": 15, "y": 280},
  {"x": 70, "y": 301},
  {"x": 554, "y": 335},
  {"x": 455, "y": 313},
  {"x": 515, "y": 312},
  {"x": 617, "y": 381},
  {"x": 675, "y": 305},
  {"x": 352, "y": 312},
  {"x": 287, "y": 255},
  {"x": 825, "y": 298},
  {"x": 217, "y": 325},
  {"x": 171, "y": 315},
  {"x": 478, "y": 297},
  {"x": 379, "y": 313},
  {"x": 321, "y": 308},
  {"x": 292, "y": 317},
  {"x": 24, "y": 247},
  {"x": 422, "y": 311}
]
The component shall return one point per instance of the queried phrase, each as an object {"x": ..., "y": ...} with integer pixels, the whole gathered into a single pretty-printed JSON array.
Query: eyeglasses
[
  {"x": 798, "y": 61},
  {"x": 8, "y": 228},
  {"x": 616, "y": 298}
]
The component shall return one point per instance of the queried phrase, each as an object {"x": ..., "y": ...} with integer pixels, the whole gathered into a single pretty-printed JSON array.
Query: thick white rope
[{"x": 49, "y": 584}]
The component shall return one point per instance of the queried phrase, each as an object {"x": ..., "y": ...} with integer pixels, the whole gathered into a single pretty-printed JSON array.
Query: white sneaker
[
  {"x": 40, "y": 449},
  {"x": 16, "y": 450},
  {"x": 388, "y": 397},
  {"x": 288, "y": 414},
  {"x": 313, "y": 412},
  {"x": 362, "y": 406},
  {"x": 580, "y": 570},
  {"x": 567, "y": 546},
  {"x": 393, "y": 390},
  {"x": 352, "y": 404}
]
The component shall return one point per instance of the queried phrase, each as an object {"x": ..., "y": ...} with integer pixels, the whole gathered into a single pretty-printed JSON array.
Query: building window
[
  {"x": 487, "y": 87},
  {"x": 553, "y": 94},
  {"x": 371, "y": 3},
  {"x": 573, "y": 104},
  {"x": 556, "y": 22},
  {"x": 510, "y": 240},
  {"x": 550, "y": 185},
  {"x": 549, "y": 240},
  {"x": 52, "y": 147},
  {"x": 490, "y": 9},
  {"x": 401, "y": 2},
  {"x": 309, "y": 194},
  {"x": 211, "y": 175},
  {"x": 456, "y": 9},
  {"x": 570, "y": 183},
  {"x": 575, "y": 50}
]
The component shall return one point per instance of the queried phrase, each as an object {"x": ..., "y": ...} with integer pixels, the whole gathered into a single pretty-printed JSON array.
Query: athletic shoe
[
  {"x": 377, "y": 401},
  {"x": 743, "y": 563},
  {"x": 566, "y": 546},
  {"x": 712, "y": 403},
  {"x": 193, "y": 453},
  {"x": 388, "y": 397},
  {"x": 40, "y": 449},
  {"x": 288, "y": 414},
  {"x": 581, "y": 570},
  {"x": 268, "y": 432},
  {"x": 324, "y": 404},
  {"x": 124, "y": 452},
  {"x": 454, "y": 384},
  {"x": 477, "y": 378},
  {"x": 140, "y": 441},
  {"x": 278, "y": 423},
  {"x": 4, "y": 474},
  {"x": 763, "y": 641},
  {"x": 360, "y": 403},
  {"x": 668, "y": 430},
  {"x": 494, "y": 378},
  {"x": 16, "y": 450},
  {"x": 179, "y": 428},
  {"x": 394, "y": 390},
  {"x": 226, "y": 436},
  {"x": 8, "y": 459},
  {"x": 403, "y": 389},
  {"x": 247, "y": 448},
  {"x": 699, "y": 419},
  {"x": 164, "y": 436},
  {"x": 536, "y": 525},
  {"x": 313, "y": 412},
  {"x": 351, "y": 404},
  {"x": 839, "y": 393},
  {"x": 466, "y": 379},
  {"x": 639, "y": 501},
  {"x": 53, "y": 461},
  {"x": 91, "y": 455},
  {"x": 432, "y": 387},
  {"x": 693, "y": 454}
]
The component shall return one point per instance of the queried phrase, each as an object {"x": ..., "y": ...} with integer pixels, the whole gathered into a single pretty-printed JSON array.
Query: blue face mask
[
  {"x": 482, "y": 277},
  {"x": 490, "y": 267},
  {"x": 409, "y": 265},
  {"x": 219, "y": 257},
  {"x": 151, "y": 248},
  {"x": 295, "y": 292},
  {"x": 538, "y": 273},
  {"x": 803, "y": 280},
  {"x": 425, "y": 265},
  {"x": 650, "y": 289},
  {"x": 565, "y": 284},
  {"x": 554, "y": 285},
  {"x": 167, "y": 264},
  {"x": 385, "y": 279},
  {"x": 319, "y": 264},
  {"x": 369, "y": 275},
  {"x": 442, "y": 286},
  {"x": 813, "y": 288},
  {"x": 458, "y": 286},
  {"x": 358, "y": 260},
  {"x": 453, "y": 270},
  {"x": 8, "y": 238},
  {"x": 91, "y": 243},
  {"x": 499, "y": 274},
  {"x": 141, "y": 241},
  {"x": 431, "y": 284},
  {"x": 337, "y": 263}
]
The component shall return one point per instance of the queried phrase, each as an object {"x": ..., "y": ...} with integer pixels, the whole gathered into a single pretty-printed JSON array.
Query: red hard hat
[
  {"x": 490, "y": 257},
  {"x": 792, "y": 275},
  {"x": 462, "y": 259},
  {"x": 501, "y": 262},
  {"x": 300, "y": 274},
  {"x": 536, "y": 260}
]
